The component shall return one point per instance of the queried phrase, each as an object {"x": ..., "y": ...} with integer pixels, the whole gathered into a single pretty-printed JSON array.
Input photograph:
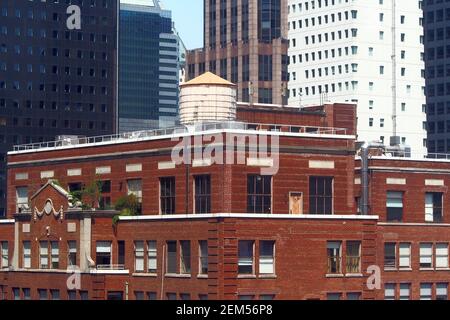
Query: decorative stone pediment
[
  {"x": 48, "y": 210},
  {"x": 50, "y": 200}
]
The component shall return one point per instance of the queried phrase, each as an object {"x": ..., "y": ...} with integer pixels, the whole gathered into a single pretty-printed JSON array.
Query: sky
[{"x": 188, "y": 17}]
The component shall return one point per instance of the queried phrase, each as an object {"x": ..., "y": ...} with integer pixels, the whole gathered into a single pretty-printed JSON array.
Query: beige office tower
[{"x": 245, "y": 42}]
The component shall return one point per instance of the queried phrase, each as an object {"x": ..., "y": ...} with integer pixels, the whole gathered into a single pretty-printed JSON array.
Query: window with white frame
[
  {"x": 151, "y": 257},
  {"x": 267, "y": 257},
  {"x": 426, "y": 255},
  {"x": 389, "y": 291},
  {"x": 139, "y": 256},
  {"x": 404, "y": 256},
  {"x": 390, "y": 256},
  {"x": 171, "y": 263},
  {"x": 442, "y": 255},
  {"x": 426, "y": 291},
  {"x": 433, "y": 207},
  {"x": 203, "y": 254},
  {"x": 4, "y": 261},
  {"x": 394, "y": 206},
  {"x": 405, "y": 291},
  {"x": 135, "y": 188},
  {"x": 353, "y": 257},
  {"x": 72, "y": 254},
  {"x": 54, "y": 247},
  {"x": 22, "y": 199},
  {"x": 43, "y": 255},
  {"x": 245, "y": 257},
  {"x": 185, "y": 257},
  {"x": 334, "y": 257},
  {"x": 103, "y": 254},
  {"x": 442, "y": 291},
  {"x": 26, "y": 254}
]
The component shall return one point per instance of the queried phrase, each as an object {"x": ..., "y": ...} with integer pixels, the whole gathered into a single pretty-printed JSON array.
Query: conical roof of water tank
[{"x": 208, "y": 78}]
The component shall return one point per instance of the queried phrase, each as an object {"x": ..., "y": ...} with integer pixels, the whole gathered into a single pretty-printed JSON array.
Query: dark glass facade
[
  {"x": 55, "y": 81},
  {"x": 269, "y": 20},
  {"x": 437, "y": 66},
  {"x": 245, "y": 43},
  {"x": 148, "y": 68}
]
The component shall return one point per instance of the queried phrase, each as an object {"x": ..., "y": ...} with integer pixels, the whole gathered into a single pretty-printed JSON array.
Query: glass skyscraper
[
  {"x": 55, "y": 80},
  {"x": 437, "y": 66},
  {"x": 148, "y": 66}
]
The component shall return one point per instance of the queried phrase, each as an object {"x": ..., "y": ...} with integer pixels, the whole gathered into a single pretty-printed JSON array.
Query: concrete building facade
[{"x": 365, "y": 52}]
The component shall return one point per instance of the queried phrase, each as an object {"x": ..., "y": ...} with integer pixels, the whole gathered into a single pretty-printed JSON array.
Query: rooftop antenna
[{"x": 394, "y": 139}]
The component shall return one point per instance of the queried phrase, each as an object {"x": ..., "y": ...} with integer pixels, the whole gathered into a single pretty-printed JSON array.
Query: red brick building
[{"x": 281, "y": 224}]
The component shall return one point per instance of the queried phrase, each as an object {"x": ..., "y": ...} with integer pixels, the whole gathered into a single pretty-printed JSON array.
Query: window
[
  {"x": 442, "y": 255},
  {"x": 135, "y": 188},
  {"x": 26, "y": 293},
  {"x": 390, "y": 256},
  {"x": 394, "y": 206},
  {"x": 425, "y": 291},
  {"x": 334, "y": 296},
  {"x": 185, "y": 256},
  {"x": 103, "y": 254},
  {"x": 245, "y": 257},
  {"x": 72, "y": 254},
  {"x": 4, "y": 261},
  {"x": 259, "y": 194},
  {"x": 203, "y": 194},
  {"x": 353, "y": 257},
  {"x": 139, "y": 256},
  {"x": 267, "y": 257},
  {"x": 105, "y": 198},
  {"x": 171, "y": 296},
  {"x": 22, "y": 199},
  {"x": 72, "y": 295},
  {"x": 246, "y": 297},
  {"x": 54, "y": 246},
  {"x": 185, "y": 296},
  {"x": 389, "y": 291},
  {"x": 433, "y": 207},
  {"x": 405, "y": 291},
  {"x": 139, "y": 295},
  {"x": 321, "y": 195},
  {"x": 16, "y": 293},
  {"x": 405, "y": 255},
  {"x": 26, "y": 254},
  {"x": 151, "y": 257},
  {"x": 55, "y": 294},
  {"x": 151, "y": 295},
  {"x": 43, "y": 255},
  {"x": 42, "y": 294},
  {"x": 167, "y": 194},
  {"x": 121, "y": 253},
  {"x": 171, "y": 257},
  {"x": 203, "y": 257},
  {"x": 354, "y": 296},
  {"x": 426, "y": 255},
  {"x": 84, "y": 295},
  {"x": 442, "y": 291},
  {"x": 334, "y": 257}
]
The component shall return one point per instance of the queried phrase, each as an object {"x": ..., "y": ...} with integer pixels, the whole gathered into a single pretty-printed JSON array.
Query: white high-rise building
[{"x": 344, "y": 51}]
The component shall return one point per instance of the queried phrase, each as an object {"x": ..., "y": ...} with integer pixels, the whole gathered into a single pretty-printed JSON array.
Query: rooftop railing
[{"x": 195, "y": 128}]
